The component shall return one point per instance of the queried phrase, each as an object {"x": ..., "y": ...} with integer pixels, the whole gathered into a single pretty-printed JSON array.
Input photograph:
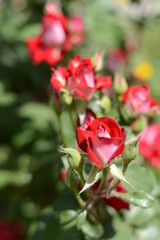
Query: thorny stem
[
  {"x": 104, "y": 175},
  {"x": 79, "y": 200},
  {"x": 108, "y": 191}
]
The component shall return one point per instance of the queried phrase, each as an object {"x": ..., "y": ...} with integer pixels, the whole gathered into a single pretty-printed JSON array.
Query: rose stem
[
  {"x": 71, "y": 117},
  {"x": 104, "y": 175}
]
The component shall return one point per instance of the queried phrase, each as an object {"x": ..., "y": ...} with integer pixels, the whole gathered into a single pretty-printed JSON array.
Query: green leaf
[
  {"x": 140, "y": 199},
  {"x": 92, "y": 230},
  {"x": 75, "y": 156},
  {"x": 141, "y": 178},
  {"x": 116, "y": 172},
  {"x": 140, "y": 217},
  {"x": 58, "y": 229},
  {"x": 68, "y": 218},
  {"x": 93, "y": 177},
  {"x": 81, "y": 218},
  {"x": 70, "y": 179},
  {"x": 149, "y": 232}
]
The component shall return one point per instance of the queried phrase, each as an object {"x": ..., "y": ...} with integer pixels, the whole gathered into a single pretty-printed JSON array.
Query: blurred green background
[{"x": 29, "y": 141}]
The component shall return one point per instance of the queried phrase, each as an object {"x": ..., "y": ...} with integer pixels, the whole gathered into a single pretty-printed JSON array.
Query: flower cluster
[
  {"x": 79, "y": 79},
  {"x": 58, "y": 34}
]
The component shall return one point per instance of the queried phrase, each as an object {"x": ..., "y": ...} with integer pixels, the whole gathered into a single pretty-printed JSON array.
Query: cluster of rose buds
[{"x": 58, "y": 34}]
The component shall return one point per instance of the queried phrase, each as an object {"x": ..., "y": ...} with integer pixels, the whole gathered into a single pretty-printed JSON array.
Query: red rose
[
  {"x": 55, "y": 33},
  {"x": 137, "y": 100},
  {"x": 59, "y": 77},
  {"x": 103, "y": 82},
  {"x": 40, "y": 52},
  {"x": 10, "y": 230},
  {"x": 79, "y": 79},
  {"x": 81, "y": 82},
  {"x": 57, "y": 36},
  {"x": 115, "y": 202},
  {"x": 102, "y": 139},
  {"x": 149, "y": 144}
]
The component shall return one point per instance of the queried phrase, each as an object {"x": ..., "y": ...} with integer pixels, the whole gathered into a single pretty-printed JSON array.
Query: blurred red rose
[
  {"x": 117, "y": 59},
  {"x": 81, "y": 82},
  {"x": 149, "y": 144},
  {"x": 57, "y": 36},
  {"x": 79, "y": 79},
  {"x": 103, "y": 82},
  {"x": 10, "y": 230},
  {"x": 137, "y": 100},
  {"x": 102, "y": 139},
  {"x": 115, "y": 202}
]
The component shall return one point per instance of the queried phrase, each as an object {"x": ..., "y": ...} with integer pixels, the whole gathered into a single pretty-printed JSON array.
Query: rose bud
[
  {"x": 130, "y": 152},
  {"x": 120, "y": 84},
  {"x": 117, "y": 203},
  {"x": 139, "y": 124},
  {"x": 137, "y": 100},
  {"x": 81, "y": 82},
  {"x": 102, "y": 139},
  {"x": 97, "y": 60},
  {"x": 149, "y": 144},
  {"x": 104, "y": 103}
]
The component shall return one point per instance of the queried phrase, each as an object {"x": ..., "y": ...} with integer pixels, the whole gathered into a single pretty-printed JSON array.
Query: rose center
[{"x": 102, "y": 132}]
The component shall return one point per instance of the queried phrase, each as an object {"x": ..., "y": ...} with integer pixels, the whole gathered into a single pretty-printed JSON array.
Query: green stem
[
  {"x": 104, "y": 175},
  {"x": 71, "y": 117},
  {"x": 125, "y": 166},
  {"x": 114, "y": 185},
  {"x": 79, "y": 200},
  {"x": 60, "y": 130}
]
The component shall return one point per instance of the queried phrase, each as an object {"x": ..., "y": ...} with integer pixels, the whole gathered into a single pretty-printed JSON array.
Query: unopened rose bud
[
  {"x": 97, "y": 61},
  {"x": 130, "y": 151},
  {"x": 66, "y": 98},
  {"x": 74, "y": 156},
  {"x": 105, "y": 103},
  {"x": 139, "y": 124},
  {"x": 120, "y": 84}
]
